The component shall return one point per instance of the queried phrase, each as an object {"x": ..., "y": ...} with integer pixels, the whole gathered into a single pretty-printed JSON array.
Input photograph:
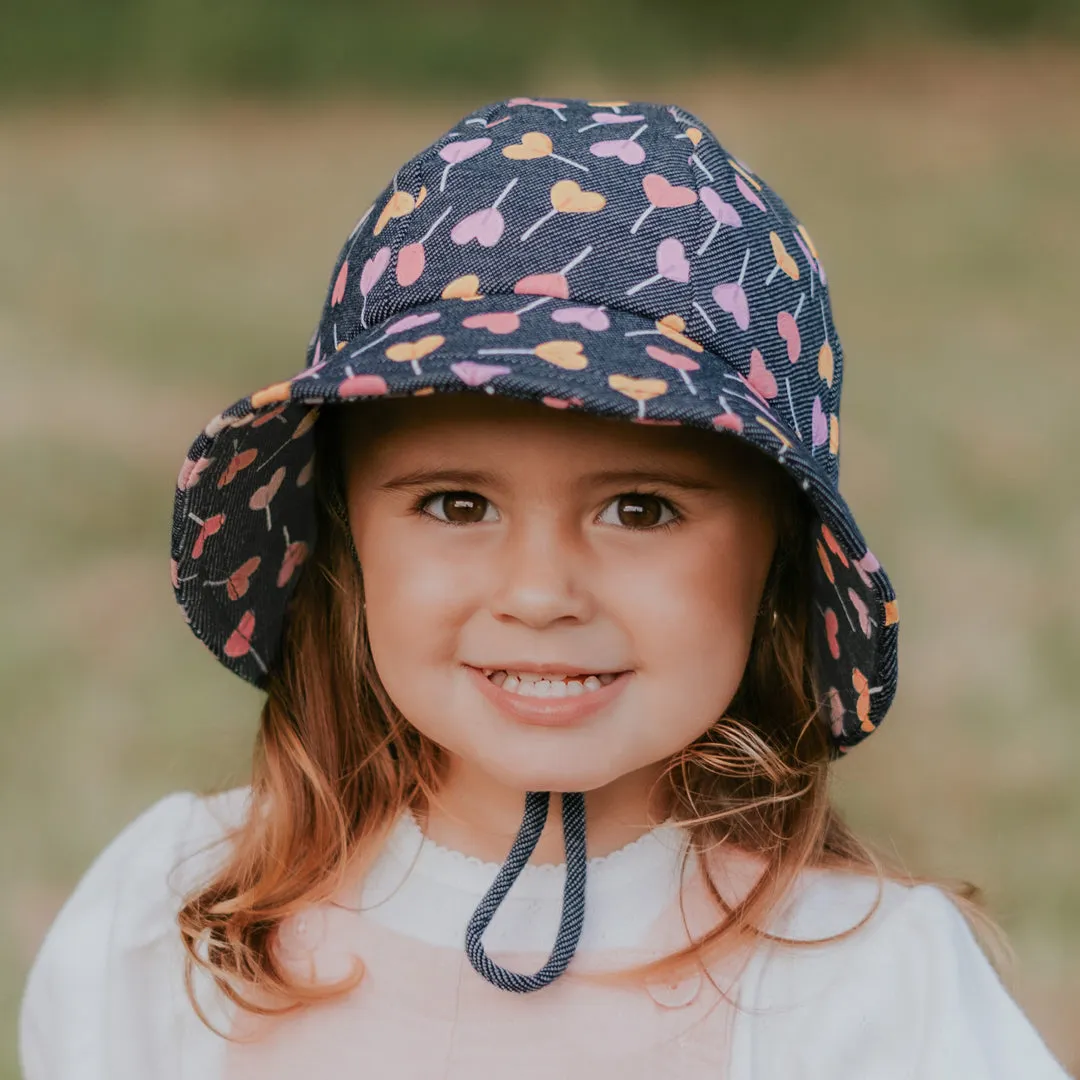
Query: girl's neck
[{"x": 476, "y": 815}]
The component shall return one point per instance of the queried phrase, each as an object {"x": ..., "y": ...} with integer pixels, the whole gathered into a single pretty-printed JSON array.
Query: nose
[{"x": 541, "y": 576}]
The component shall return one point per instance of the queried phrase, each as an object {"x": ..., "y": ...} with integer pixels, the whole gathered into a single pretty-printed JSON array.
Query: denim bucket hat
[{"x": 609, "y": 257}]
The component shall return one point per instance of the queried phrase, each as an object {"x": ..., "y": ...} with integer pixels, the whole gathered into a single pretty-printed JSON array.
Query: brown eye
[
  {"x": 458, "y": 507},
  {"x": 637, "y": 510}
]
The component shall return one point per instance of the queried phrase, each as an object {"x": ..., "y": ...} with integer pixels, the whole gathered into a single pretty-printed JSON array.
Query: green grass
[{"x": 159, "y": 264}]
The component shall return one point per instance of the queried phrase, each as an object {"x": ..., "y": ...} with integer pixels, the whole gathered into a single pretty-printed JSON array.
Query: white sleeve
[
  {"x": 101, "y": 994},
  {"x": 910, "y": 996}
]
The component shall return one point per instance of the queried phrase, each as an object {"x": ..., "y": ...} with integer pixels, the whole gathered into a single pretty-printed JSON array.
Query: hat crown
[{"x": 632, "y": 206}]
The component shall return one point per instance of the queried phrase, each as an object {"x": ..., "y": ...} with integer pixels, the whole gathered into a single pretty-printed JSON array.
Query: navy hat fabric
[{"x": 605, "y": 257}]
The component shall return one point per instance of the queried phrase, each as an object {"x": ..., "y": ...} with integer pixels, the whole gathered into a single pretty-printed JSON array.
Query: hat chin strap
[{"x": 573, "y": 906}]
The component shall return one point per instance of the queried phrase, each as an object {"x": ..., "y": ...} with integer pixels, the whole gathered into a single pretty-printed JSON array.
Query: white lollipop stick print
[
  {"x": 723, "y": 212},
  {"x": 438, "y": 221},
  {"x": 701, "y": 165},
  {"x": 533, "y": 304},
  {"x": 671, "y": 263},
  {"x": 704, "y": 314},
  {"x": 791, "y": 406}
]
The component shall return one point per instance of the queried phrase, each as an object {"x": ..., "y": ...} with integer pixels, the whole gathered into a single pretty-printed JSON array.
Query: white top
[{"x": 909, "y": 996}]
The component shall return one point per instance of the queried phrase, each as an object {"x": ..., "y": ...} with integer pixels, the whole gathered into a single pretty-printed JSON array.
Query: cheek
[{"x": 692, "y": 623}]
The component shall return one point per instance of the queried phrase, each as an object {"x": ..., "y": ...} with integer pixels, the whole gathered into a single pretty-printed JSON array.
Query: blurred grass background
[{"x": 175, "y": 181}]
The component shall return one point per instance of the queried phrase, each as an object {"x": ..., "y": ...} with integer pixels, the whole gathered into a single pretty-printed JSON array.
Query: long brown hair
[{"x": 335, "y": 762}]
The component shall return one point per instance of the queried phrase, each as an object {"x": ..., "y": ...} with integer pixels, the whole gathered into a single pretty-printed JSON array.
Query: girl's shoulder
[
  {"x": 115, "y": 938},
  {"x": 911, "y": 988}
]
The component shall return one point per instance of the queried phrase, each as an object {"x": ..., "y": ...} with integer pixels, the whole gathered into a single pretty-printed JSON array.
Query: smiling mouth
[{"x": 532, "y": 684}]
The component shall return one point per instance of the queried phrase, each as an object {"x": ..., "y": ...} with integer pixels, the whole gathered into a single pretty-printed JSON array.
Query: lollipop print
[
  {"x": 601, "y": 118},
  {"x": 825, "y": 361},
  {"x": 409, "y": 322},
  {"x": 373, "y": 270},
  {"x": 787, "y": 326},
  {"x": 819, "y": 425},
  {"x": 565, "y": 354},
  {"x": 414, "y": 351},
  {"x": 551, "y": 285},
  {"x": 455, "y": 153},
  {"x": 484, "y": 226},
  {"x": 400, "y": 204},
  {"x": 783, "y": 260},
  {"x": 679, "y": 361},
  {"x": 695, "y": 136},
  {"x": 501, "y": 322},
  {"x": 568, "y": 198},
  {"x": 473, "y": 374},
  {"x": 672, "y": 327},
  {"x": 411, "y": 258},
  {"x": 663, "y": 194},
  {"x": 723, "y": 212},
  {"x": 535, "y": 144},
  {"x": 239, "y": 641},
  {"x": 264, "y": 495},
  {"x": 731, "y": 297},
  {"x": 590, "y": 318},
  {"x": 671, "y": 263},
  {"x": 239, "y": 581},
  {"x": 629, "y": 150},
  {"x": 554, "y": 106},
  {"x": 640, "y": 390}
]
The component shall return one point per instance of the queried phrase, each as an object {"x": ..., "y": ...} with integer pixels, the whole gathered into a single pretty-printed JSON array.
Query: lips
[{"x": 566, "y": 707}]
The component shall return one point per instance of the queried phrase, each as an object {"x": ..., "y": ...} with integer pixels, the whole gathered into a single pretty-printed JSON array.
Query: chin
[{"x": 561, "y": 775}]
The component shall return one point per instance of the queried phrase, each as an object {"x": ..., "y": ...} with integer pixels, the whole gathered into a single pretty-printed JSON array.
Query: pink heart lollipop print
[
  {"x": 495, "y": 322},
  {"x": 761, "y": 380},
  {"x": 264, "y": 495},
  {"x": 679, "y": 361},
  {"x": 601, "y": 118},
  {"x": 456, "y": 152},
  {"x": 723, "y": 212},
  {"x": 820, "y": 425},
  {"x": 484, "y": 226},
  {"x": 731, "y": 297},
  {"x": 671, "y": 263},
  {"x": 239, "y": 641},
  {"x": 373, "y": 270},
  {"x": 407, "y": 322},
  {"x": 628, "y": 151},
  {"x": 787, "y": 326},
  {"x": 473, "y": 374},
  {"x": 662, "y": 193},
  {"x": 591, "y": 318},
  {"x": 339, "y": 285},
  {"x": 555, "y": 285},
  {"x": 748, "y": 194},
  {"x": 411, "y": 258}
]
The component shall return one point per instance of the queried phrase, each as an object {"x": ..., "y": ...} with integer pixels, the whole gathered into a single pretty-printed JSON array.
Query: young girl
[{"x": 562, "y": 622}]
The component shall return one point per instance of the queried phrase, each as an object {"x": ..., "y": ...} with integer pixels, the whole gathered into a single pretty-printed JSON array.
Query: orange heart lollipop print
[{"x": 640, "y": 390}]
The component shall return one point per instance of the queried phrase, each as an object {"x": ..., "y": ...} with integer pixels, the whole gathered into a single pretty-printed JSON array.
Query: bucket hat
[{"x": 610, "y": 257}]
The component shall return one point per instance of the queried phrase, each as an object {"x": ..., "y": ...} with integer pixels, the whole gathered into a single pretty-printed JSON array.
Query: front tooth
[
  {"x": 574, "y": 688},
  {"x": 558, "y": 689},
  {"x": 542, "y": 688}
]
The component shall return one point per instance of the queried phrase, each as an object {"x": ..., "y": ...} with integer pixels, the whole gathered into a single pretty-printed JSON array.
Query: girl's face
[{"x": 505, "y": 536}]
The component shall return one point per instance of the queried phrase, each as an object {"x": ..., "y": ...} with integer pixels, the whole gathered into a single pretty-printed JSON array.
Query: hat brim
[{"x": 244, "y": 520}]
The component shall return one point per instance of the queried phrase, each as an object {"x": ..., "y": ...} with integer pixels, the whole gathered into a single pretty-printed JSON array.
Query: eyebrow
[{"x": 482, "y": 478}]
